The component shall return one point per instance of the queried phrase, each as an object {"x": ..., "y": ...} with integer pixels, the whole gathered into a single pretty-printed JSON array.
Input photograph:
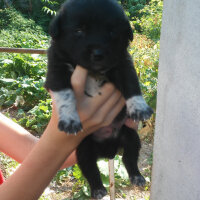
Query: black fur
[{"x": 95, "y": 34}]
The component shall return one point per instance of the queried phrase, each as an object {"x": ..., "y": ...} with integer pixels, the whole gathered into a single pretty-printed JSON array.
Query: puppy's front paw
[
  {"x": 138, "y": 180},
  {"x": 138, "y": 109},
  {"x": 70, "y": 126},
  {"x": 69, "y": 120}
]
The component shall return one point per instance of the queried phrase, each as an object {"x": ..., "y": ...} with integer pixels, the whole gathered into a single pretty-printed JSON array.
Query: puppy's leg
[
  {"x": 87, "y": 161},
  {"x": 69, "y": 120},
  {"x": 58, "y": 81},
  {"x": 92, "y": 174},
  {"x": 126, "y": 80},
  {"x": 137, "y": 108},
  {"x": 131, "y": 145}
]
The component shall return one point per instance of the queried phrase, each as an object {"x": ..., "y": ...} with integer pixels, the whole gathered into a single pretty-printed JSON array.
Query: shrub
[
  {"x": 133, "y": 7},
  {"x": 150, "y": 22},
  {"x": 22, "y": 75},
  {"x": 145, "y": 54},
  {"x": 51, "y": 7}
]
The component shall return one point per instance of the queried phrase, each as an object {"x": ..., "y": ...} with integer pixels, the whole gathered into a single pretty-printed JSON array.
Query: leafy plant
[
  {"x": 50, "y": 7},
  {"x": 151, "y": 20},
  {"x": 62, "y": 175},
  {"x": 37, "y": 118},
  {"x": 134, "y": 7},
  {"x": 81, "y": 188},
  {"x": 146, "y": 58},
  {"x": 20, "y": 77}
]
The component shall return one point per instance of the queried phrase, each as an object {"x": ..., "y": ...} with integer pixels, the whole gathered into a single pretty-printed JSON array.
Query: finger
[
  {"x": 108, "y": 106},
  {"x": 114, "y": 112},
  {"x": 88, "y": 106},
  {"x": 99, "y": 116},
  {"x": 89, "y": 128},
  {"x": 78, "y": 81}
]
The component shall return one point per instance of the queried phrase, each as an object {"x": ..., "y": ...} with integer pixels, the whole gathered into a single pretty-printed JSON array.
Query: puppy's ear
[{"x": 55, "y": 27}]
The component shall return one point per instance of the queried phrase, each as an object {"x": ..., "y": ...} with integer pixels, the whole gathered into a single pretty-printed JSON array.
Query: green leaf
[
  {"x": 103, "y": 167},
  {"x": 120, "y": 169},
  {"x": 7, "y": 61},
  {"x": 86, "y": 190},
  {"x": 105, "y": 180},
  {"x": 44, "y": 108},
  {"x": 7, "y": 80},
  {"x": 77, "y": 172}
]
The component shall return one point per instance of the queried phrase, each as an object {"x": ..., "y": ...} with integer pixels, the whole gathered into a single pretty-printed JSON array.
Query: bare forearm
[
  {"x": 15, "y": 141},
  {"x": 35, "y": 173}
]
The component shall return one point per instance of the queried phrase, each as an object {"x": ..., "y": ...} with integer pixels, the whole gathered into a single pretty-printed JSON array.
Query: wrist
[{"x": 60, "y": 139}]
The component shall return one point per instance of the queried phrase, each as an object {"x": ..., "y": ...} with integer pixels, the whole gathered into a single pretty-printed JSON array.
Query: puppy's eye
[{"x": 79, "y": 32}]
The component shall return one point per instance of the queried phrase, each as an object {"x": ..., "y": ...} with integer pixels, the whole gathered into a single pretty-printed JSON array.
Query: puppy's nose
[{"x": 97, "y": 55}]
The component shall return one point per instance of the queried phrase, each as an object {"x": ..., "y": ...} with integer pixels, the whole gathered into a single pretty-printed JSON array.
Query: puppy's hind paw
[
  {"x": 138, "y": 109},
  {"x": 138, "y": 180},
  {"x": 70, "y": 126},
  {"x": 99, "y": 193}
]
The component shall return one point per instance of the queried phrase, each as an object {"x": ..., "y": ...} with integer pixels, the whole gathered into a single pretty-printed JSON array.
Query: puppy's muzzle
[
  {"x": 98, "y": 60},
  {"x": 97, "y": 55}
]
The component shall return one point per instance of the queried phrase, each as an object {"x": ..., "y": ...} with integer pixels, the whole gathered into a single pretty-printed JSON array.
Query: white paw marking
[
  {"x": 66, "y": 107},
  {"x": 93, "y": 85},
  {"x": 137, "y": 108},
  {"x": 136, "y": 103}
]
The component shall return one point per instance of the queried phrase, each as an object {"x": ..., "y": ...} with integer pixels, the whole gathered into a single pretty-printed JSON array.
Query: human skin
[
  {"x": 49, "y": 153},
  {"x": 17, "y": 142}
]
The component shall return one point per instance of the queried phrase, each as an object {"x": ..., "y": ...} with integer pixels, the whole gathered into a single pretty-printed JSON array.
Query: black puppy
[{"x": 95, "y": 34}]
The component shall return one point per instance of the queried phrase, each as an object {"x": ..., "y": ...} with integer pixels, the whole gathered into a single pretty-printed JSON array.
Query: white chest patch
[{"x": 93, "y": 85}]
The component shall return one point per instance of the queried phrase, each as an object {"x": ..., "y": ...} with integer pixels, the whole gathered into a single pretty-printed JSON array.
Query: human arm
[
  {"x": 47, "y": 156},
  {"x": 17, "y": 142}
]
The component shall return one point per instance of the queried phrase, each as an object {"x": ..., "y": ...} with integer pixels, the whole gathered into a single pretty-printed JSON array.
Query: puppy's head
[{"x": 93, "y": 33}]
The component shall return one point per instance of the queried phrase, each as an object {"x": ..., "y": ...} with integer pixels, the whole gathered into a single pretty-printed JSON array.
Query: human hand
[{"x": 98, "y": 111}]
